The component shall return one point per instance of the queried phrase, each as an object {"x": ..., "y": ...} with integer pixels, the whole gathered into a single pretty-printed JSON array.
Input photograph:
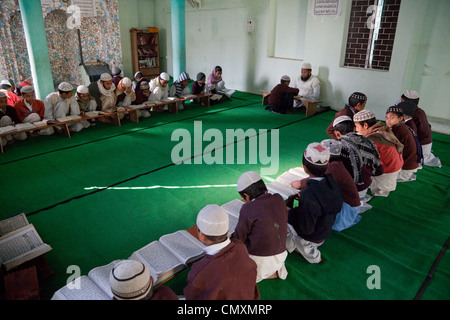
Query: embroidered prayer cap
[
  {"x": 27, "y": 89},
  {"x": 82, "y": 89},
  {"x": 126, "y": 82},
  {"x": 306, "y": 65},
  {"x": 144, "y": 85},
  {"x": 411, "y": 94},
  {"x": 116, "y": 71},
  {"x": 247, "y": 179},
  {"x": 164, "y": 76},
  {"x": 130, "y": 280},
  {"x": 341, "y": 119},
  {"x": 408, "y": 107},
  {"x": 334, "y": 146},
  {"x": 138, "y": 75},
  {"x": 394, "y": 109},
  {"x": 285, "y": 78},
  {"x": 105, "y": 77},
  {"x": 316, "y": 154},
  {"x": 183, "y": 76},
  {"x": 358, "y": 96},
  {"x": 3, "y": 94},
  {"x": 65, "y": 86},
  {"x": 213, "y": 220},
  {"x": 363, "y": 115}
]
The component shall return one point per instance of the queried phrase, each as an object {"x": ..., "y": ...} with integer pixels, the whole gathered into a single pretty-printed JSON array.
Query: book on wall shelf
[{"x": 145, "y": 51}]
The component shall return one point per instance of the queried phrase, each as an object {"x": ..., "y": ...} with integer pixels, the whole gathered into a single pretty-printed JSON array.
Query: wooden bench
[
  {"x": 172, "y": 105},
  {"x": 310, "y": 105},
  {"x": 64, "y": 125}
]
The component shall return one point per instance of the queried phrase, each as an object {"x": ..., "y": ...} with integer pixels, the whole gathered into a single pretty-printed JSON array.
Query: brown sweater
[
  {"x": 406, "y": 137},
  {"x": 228, "y": 275}
]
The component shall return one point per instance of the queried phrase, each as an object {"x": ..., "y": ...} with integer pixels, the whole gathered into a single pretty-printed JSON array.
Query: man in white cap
[
  {"x": 103, "y": 91},
  {"x": 61, "y": 104},
  {"x": 225, "y": 272},
  {"x": 142, "y": 96},
  {"x": 262, "y": 226},
  {"x": 422, "y": 128},
  {"x": 281, "y": 97},
  {"x": 159, "y": 90},
  {"x": 131, "y": 280},
  {"x": 311, "y": 222},
  {"x": 6, "y": 87},
  {"x": 8, "y": 117},
  {"x": 30, "y": 110},
  {"x": 308, "y": 84}
]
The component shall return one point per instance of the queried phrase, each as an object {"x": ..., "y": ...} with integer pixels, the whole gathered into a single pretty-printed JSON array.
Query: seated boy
[
  {"x": 61, "y": 104},
  {"x": 356, "y": 102},
  {"x": 8, "y": 117},
  {"x": 423, "y": 129},
  {"x": 226, "y": 272},
  {"x": 159, "y": 90},
  {"x": 86, "y": 103},
  {"x": 360, "y": 157},
  {"x": 394, "y": 118},
  {"x": 142, "y": 96},
  {"x": 262, "y": 226},
  {"x": 29, "y": 109},
  {"x": 199, "y": 86},
  {"x": 131, "y": 280},
  {"x": 281, "y": 99},
  {"x": 389, "y": 148},
  {"x": 180, "y": 89},
  {"x": 311, "y": 222}
]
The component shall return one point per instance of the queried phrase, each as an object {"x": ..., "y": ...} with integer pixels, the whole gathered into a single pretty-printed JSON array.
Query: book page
[
  {"x": 157, "y": 257},
  {"x": 233, "y": 207},
  {"x": 183, "y": 244},
  {"x": 25, "y": 126},
  {"x": 300, "y": 172},
  {"x": 13, "y": 223},
  {"x": 6, "y": 129},
  {"x": 281, "y": 189},
  {"x": 87, "y": 290},
  {"x": 287, "y": 178},
  {"x": 20, "y": 246},
  {"x": 100, "y": 276}
]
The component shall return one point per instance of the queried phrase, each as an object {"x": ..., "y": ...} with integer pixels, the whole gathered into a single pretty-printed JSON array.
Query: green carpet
[{"x": 58, "y": 182}]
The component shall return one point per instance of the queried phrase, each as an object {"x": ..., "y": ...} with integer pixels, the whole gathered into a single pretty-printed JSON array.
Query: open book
[
  {"x": 7, "y": 129},
  {"x": 292, "y": 175},
  {"x": 189, "y": 96},
  {"x": 25, "y": 126},
  {"x": 233, "y": 208},
  {"x": 20, "y": 245},
  {"x": 94, "y": 286},
  {"x": 68, "y": 118},
  {"x": 282, "y": 189},
  {"x": 170, "y": 254}
]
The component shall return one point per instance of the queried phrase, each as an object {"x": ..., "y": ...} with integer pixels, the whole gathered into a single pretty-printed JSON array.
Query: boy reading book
[
  {"x": 311, "y": 222},
  {"x": 262, "y": 226},
  {"x": 226, "y": 271}
]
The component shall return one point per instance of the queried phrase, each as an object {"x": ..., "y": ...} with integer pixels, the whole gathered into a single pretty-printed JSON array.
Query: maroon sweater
[
  {"x": 347, "y": 111},
  {"x": 277, "y": 93},
  {"x": 262, "y": 225},
  {"x": 228, "y": 275},
  {"x": 423, "y": 127},
  {"x": 406, "y": 137}
]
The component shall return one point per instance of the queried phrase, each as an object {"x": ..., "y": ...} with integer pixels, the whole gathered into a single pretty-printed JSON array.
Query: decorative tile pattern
[{"x": 100, "y": 40}]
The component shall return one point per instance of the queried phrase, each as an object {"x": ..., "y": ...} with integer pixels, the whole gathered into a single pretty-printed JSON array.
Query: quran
[{"x": 233, "y": 209}]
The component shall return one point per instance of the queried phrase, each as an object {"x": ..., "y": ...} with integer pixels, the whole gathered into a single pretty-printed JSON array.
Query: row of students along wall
[{"x": 109, "y": 93}]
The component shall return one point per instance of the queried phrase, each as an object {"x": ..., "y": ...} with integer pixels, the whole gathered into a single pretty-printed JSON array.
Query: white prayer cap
[
  {"x": 130, "y": 280},
  {"x": 213, "y": 220},
  {"x": 105, "y": 77},
  {"x": 306, "y": 65},
  {"x": 411, "y": 94},
  {"x": 127, "y": 82},
  {"x": 285, "y": 78},
  {"x": 363, "y": 115},
  {"x": 144, "y": 85},
  {"x": 164, "y": 76},
  {"x": 6, "y": 81},
  {"x": 82, "y": 89},
  {"x": 341, "y": 119},
  {"x": 334, "y": 146},
  {"x": 27, "y": 89},
  {"x": 247, "y": 179},
  {"x": 316, "y": 154},
  {"x": 65, "y": 86},
  {"x": 3, "y": 94}
]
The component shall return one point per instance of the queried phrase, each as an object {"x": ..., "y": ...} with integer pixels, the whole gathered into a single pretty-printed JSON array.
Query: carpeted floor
[{"x": 61, "y": 185}]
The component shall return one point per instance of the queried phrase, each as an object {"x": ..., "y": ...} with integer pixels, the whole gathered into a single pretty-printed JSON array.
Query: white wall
[{"x": 217, "y": 35}]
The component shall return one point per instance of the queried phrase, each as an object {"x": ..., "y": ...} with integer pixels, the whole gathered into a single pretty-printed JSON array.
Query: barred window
[{"x": 371, "y": 33}]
